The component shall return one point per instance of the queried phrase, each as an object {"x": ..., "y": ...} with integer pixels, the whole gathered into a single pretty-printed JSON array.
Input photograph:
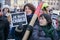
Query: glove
[
  {"x": 30, "y": 28},
  {"x": 19, "y": 28}
]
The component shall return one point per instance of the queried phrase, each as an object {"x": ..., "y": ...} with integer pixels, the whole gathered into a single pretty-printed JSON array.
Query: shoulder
[
  {"x": 36, "y": 27},
  {"x": 4, "y": 20},
  {"x": 52, "y": 29}
]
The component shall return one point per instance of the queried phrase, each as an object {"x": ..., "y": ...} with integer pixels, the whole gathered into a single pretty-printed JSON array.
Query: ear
[
  {"x": 44, "y": 8},
  {"x": 1, "y": 14}
]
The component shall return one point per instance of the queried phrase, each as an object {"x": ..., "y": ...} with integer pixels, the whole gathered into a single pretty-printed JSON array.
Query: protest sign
[{"x": 18, "y": 18}]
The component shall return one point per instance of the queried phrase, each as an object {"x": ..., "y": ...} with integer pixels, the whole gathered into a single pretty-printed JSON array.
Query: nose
[
  {"x": 26, "y": 10},
  {"x": 40, "y": 20}
]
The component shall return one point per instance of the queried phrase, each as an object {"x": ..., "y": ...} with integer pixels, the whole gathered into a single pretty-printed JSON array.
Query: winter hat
[
  {"x": 45, "y": 5},
  {"x": 5, "y": 6},
  {"x": 47, "y": 17}
]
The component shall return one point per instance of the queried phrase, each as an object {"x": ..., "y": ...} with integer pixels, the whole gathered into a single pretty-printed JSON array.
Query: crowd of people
[{"x": 42, "y": 30}]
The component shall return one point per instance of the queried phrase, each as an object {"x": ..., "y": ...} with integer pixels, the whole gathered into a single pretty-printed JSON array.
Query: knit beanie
[{"x": 47, "y": 17}]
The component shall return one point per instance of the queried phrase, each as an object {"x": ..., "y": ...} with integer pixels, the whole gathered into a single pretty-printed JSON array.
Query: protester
[
  {"x": 4, "y": 26},
  {"x": 15, "y": 8},
  {"x": 44, "y": 31},
  {"x": 29, "y": 10},
  {"x": 20, "y": 9},
  {"x": 58, "y": 29},
  {"x": 45, "y": 8},
  {"x": 6, "y": 12}
]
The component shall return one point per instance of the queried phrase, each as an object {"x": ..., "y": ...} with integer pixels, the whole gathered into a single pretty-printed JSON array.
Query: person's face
[
  {"x": 28, "y": 11},
  {"x": 6, "y": 10},
  {"x": 47, "y": 8},
  {"x": 42, "y": 21}
]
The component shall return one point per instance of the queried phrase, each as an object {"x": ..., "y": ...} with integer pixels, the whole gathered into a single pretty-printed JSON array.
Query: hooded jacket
[{"x": 44, "y": 33}]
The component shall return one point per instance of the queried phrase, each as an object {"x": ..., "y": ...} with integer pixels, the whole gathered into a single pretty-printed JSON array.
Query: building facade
[
  {"x": 53, "y": 4},
  {"x": 59, "y": 3},
  {"x": 23, "y": 2}
]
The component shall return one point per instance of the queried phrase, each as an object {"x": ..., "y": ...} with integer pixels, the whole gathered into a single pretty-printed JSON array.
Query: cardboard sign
[{"x": 18, "y": 18}]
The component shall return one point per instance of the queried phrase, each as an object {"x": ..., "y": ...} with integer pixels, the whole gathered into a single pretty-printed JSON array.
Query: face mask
[{"x": 30, "y": 15}]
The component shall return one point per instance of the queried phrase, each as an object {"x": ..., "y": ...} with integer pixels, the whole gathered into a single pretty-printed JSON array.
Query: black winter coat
[
  {"x": 4, "y": 28},
  {"x": 44, "y": 33}
]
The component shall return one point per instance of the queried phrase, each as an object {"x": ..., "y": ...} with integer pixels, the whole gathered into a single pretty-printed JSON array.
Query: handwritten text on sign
[{"x": 19, "y": 18}]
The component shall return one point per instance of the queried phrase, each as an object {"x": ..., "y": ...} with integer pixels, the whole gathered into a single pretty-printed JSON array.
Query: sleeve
[
  {"x": 55, "y": 35},
  {"x": 6, "y": 29},
  {"x": 9, "y": 17},
  {"x": 35, "y": 33}
]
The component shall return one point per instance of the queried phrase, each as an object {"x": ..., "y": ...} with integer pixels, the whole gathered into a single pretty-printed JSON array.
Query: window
[
  {"x": 54, "y": 3},
  {"x": 48, "y": 2},
  {"x": 26, "y": 1},
  {"x": 15, "y": 1},
  {"x": 51, "y": 3},
  {"x": 7, "y": 2},
  {"x": 57, "y": 3}
]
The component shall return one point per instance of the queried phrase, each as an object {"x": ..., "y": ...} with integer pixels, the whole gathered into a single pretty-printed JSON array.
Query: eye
[
  {"x": 42, "y": 18},
  {"x": 25, "y": 8},
  {"x": 0, "y": 10}
]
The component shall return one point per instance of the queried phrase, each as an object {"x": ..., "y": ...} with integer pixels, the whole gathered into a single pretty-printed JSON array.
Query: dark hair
[
  {"x": 44, "y": 8},
  {"x": 0, "y": 5},
  {"x": 48, "y": 18},
  {"x": 5, "y": 8},
  {"x": 31, "y": 7}
]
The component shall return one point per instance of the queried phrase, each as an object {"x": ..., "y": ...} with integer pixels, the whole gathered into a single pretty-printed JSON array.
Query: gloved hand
[
  {"x": 30, "y": 28},
  {"x": 19, "y": 28}
]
